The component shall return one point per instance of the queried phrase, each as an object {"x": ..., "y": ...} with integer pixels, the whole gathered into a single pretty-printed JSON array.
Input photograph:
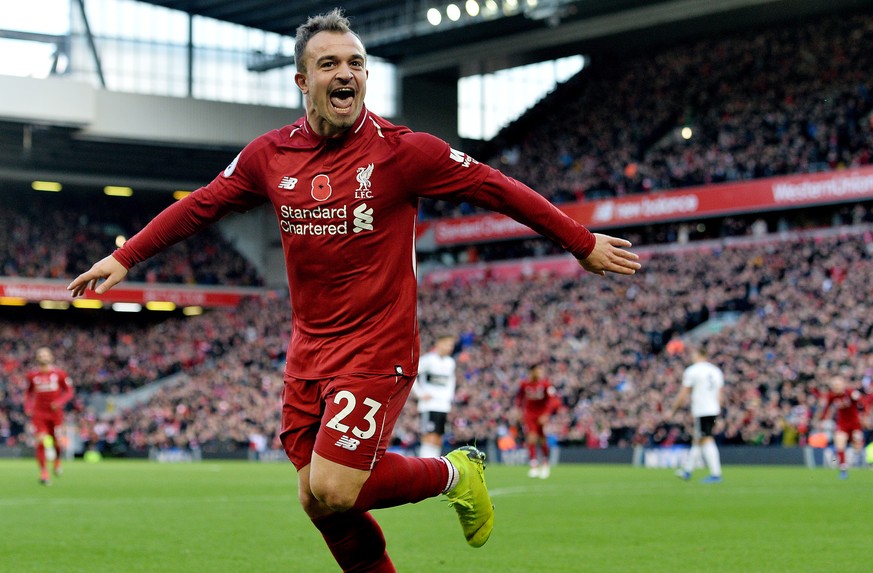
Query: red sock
[
  {"x": 397, "y": 479},
  {"x": 546, "y": 451},
  {"x": 532, "y": 453},
  {"x": 356, "y": 542},
  {"x": 40, "y": 455},
  {"x": 841, "y": 458}
]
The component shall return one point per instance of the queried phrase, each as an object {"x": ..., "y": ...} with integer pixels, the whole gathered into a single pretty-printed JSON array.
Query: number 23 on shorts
[{"x": 349, "y": 417}]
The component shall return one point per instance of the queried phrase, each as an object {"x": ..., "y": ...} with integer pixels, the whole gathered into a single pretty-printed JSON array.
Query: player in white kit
[
  {"x": 703, "y": 382},
  {"x": 435, "y": 390}
]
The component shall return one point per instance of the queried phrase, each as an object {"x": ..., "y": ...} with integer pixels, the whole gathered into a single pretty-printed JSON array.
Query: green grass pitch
[{"x": 130, "y": 516}]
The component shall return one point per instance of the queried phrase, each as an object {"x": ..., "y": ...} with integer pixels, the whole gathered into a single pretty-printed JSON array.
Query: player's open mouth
[{"x": 342, "y": 99}]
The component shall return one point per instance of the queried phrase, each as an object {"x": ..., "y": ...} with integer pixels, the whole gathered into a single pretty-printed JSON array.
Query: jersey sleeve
[
  {"x": 29, "y": 395},
  {"x": 437, "y": 171},
  {"x": 66, "y": 393},
  {"x": 235, "y": 189},
  {"x": 553, "y": 400},
  {"x": 828, "y": 402}
]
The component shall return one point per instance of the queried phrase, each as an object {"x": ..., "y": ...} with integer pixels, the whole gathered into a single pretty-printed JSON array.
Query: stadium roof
[
  {"x": 532, "y": 31},
  {"x": 394, "y": 30}
]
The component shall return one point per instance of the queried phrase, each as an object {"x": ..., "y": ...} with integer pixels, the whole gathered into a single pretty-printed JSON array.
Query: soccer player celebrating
[
  {"x": 538, "y": 400},
  {"x": 847, "y": 402},
  {"x": 435, "y": 391},
  {"x": 48, "y": 391},
  {"x": 344, "y": 184}
]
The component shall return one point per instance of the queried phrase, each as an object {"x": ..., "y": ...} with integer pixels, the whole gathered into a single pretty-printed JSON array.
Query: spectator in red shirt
[{"x": 48, "y": 391}]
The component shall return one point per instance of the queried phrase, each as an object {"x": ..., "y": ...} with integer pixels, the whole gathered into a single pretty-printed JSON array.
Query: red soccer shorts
[
  {"x": 532, "y": 423},
  {"x": 348, "y": 419},
  {"x": 46, "y": 422},
  {"x": 849, "y": 427}
]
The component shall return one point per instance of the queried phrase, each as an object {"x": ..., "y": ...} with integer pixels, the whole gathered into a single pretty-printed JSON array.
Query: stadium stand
[
  {"x": 781, "y": 100},
  {"x": 759, "y": 103},
  {"x": 605, "y": 343},
  {"x": 54, "y": 236}
]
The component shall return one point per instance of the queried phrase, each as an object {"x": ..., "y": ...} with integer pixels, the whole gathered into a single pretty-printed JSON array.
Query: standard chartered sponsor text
[
  {"x": 836, "y": 187},
  {"x": 315, "y": 221},
  {"x": 36, "y": 292}
]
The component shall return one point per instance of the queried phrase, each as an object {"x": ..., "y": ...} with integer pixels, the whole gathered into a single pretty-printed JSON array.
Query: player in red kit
[
  {"x": 847, "y": 402},
  {"x": 344, "y": 184},
  {"x": 538, "y": 400},
  {"x": 48, "y": 391}
]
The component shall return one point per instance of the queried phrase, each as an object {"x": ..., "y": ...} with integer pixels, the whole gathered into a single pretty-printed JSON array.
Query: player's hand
[
  {"x": 609, "y": 256},
  {"x": 109, "y": 269}
]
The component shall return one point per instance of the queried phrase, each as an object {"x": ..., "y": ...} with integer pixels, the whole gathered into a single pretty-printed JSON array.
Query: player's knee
[
  {"x": 336, "y": 496},
  {"x": 311, "y": 505}
]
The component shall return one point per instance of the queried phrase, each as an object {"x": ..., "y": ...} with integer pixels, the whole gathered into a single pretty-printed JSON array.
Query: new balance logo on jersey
[
  {"x": 350, "y": 444},
  {"x": 363, "y": 218},
  {"x": 288, "y": 182}
]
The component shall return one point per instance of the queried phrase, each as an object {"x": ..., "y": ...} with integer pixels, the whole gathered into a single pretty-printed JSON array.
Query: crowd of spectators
[
  {"x": 107, "y": 356},
  {"x": 228, "y": 406},
  {"x": 791, "y": 99},
  {"x": 610, "y": 345},
  {"x": 804, "y": 312},
  {"x": 59, "y": 236}
]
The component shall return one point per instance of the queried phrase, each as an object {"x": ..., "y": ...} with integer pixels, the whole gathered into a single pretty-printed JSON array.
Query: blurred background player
[
  {"x": 48, "y": 391},
  {"x": 435, "y": 390},
  {"x": 703, "y": 381},
  {"x": 538, "y": 400},
  {"x": 847, "y": 402}
]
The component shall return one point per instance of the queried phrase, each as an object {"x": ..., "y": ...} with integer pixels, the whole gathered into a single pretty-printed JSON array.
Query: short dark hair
[{"x": 333, "y": 21}]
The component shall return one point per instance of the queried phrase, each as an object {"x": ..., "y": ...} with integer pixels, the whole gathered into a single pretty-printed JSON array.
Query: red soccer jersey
[
  {"x": 47, "y": 388},
  {"x": 537, "y": 397},
  {"x": 846, "y": 404},
  {"x": 346, "y": 210}
]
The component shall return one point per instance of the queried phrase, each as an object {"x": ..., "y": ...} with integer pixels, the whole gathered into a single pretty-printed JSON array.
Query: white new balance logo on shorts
[{"x": 348, "y": 443}]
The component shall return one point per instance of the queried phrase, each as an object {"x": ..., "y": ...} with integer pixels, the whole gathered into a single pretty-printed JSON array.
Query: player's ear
[{"x": 301, "y": 81}]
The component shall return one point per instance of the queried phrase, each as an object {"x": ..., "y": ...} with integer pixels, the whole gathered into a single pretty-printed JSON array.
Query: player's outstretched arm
[
  {"x": 610, "y": 256},
  {"x": 109, "y": 269}
]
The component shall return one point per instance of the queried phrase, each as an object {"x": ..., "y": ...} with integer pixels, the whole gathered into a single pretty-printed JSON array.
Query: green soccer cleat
[{"x": 470, "y": 496}]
